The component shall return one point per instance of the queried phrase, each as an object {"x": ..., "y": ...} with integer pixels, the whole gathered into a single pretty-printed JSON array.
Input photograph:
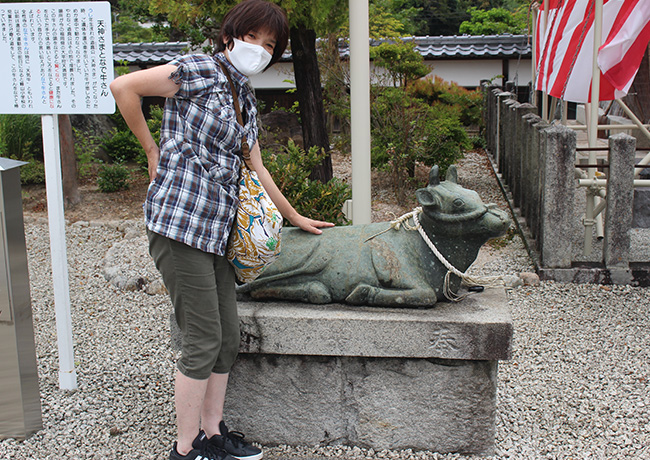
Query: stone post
[
  {"x": 529, "y": 170},
  {"x": 620, "y": 197},
  {"x": 491, "y": 117},
  {"x": 488, "y": 117},
  {"x": 501, "y": 99},
  {"x": 558, "y": 198},
  {"x": 519, "y": 151},
  {"x": 509, "y": 133},
  {"x": 539, "y": 159}
]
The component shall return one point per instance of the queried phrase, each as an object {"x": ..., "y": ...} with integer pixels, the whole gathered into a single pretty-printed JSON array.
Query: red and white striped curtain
[{"x": 565, "y": 42}]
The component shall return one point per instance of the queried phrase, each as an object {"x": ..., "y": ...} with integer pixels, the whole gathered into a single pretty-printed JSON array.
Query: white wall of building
[{"x": 467, "y": 73}]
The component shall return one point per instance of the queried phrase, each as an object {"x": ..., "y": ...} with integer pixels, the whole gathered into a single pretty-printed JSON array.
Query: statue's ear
[
  {"x": 452, "y": 174},
  {"x": 434, "y": 177},
  {"x": 426, "y": 198}
]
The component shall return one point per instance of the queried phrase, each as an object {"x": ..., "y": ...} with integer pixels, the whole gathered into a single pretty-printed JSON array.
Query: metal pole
[
  {"x": 544, "y": 97},
  {"x": 592, "y": 132},
  {"x": 360, "y": 111},
  {"x": 603, "y": 182},
  {"x": 644, "y": 130},
  {"x": 54, "y": 187},
  {"x": 608, "y": 127},
  {"x": 533, "y": 98}
]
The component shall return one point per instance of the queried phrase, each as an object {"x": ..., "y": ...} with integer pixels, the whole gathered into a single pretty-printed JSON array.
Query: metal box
[{"x": 20, "y": 405}]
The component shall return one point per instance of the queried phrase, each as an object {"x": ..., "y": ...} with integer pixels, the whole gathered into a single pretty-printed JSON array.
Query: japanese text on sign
[{"x": 57, "y": 58}]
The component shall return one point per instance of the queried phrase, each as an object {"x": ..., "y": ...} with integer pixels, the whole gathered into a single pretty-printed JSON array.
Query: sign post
[{"x": 57, "y": 59}]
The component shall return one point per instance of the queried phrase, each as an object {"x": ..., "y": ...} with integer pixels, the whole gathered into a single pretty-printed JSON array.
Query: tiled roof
[
  {"x": 441, "y": 47},
  {"x": 475, "y": 46},
  {"x": 148, "y": 53},
  {"x": 468, "y": 46}
]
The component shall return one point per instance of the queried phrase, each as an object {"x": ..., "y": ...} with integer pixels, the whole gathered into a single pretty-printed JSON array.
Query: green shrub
[
  {"x": 20, "y": 136},
  {"x": 478, "y": 142},
  {"x": 113, "y": 178},
  {"x": 121, "y": 145},
  {"x": 438, "y": 90},
  {"x": 32, "y": 173},
  {"x": 445, "y": 138},
  {"x": 85, "y": 149},
  {"x": 290, "y": 170},
  {"x": 407, "y": 131}
]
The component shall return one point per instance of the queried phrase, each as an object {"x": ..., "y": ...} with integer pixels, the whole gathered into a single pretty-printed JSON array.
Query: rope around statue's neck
[{"x": 470, "y": 280}]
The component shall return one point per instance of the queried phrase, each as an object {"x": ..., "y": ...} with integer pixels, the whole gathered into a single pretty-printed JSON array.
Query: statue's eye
[{"x": 458, "y": 203}]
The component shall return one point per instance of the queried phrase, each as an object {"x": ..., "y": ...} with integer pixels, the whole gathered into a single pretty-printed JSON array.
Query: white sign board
[{"x": 57, "y": 58}]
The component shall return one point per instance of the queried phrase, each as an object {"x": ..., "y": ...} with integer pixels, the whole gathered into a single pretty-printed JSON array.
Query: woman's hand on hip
[{"x": 153, "y": 157}]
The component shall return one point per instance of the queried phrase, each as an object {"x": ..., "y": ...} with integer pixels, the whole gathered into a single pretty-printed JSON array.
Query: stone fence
[{"x": 535, "y": 162}]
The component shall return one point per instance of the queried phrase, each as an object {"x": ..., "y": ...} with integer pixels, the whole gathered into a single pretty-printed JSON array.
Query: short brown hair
[{"x": 255, "y": 15}]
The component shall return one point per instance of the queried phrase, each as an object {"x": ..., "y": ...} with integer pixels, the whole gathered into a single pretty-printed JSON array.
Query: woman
[{"x": 191, "y": 205}]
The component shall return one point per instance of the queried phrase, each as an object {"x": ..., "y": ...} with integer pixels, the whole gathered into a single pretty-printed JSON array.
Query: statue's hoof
[{"x": 318, "y": 293}]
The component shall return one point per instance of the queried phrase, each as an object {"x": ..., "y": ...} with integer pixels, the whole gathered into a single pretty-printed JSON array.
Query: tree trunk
[
  {"x": 71, "y": 194},
  {"x": 310, "y": 97}
]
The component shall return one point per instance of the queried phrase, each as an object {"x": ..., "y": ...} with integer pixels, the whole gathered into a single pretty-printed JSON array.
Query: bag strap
[{"x": 244, "y": 144}]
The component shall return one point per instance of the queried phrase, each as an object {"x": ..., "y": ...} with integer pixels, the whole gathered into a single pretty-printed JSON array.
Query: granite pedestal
[{"x": 371, "y": 377}]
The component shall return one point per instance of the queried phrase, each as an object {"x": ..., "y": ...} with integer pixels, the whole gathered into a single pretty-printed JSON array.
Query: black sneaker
[
  {"x": 201, "y": 450},
  {"x": 233, "y": 443}
]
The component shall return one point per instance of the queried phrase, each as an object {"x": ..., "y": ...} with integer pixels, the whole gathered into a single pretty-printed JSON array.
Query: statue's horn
[
  {"x": 452, "y": 174},
  {"x": 434, "y": 178}
]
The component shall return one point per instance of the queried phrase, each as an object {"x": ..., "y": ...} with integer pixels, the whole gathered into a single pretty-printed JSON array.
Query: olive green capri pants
[{"x": 202, "y": 289}]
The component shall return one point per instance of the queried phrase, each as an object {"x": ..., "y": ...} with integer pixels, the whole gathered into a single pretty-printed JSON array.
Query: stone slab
[
  {"x": 371, "y": 377},
  {"x": 477, "y": 328},
  {"x": 380, "y": 403}
]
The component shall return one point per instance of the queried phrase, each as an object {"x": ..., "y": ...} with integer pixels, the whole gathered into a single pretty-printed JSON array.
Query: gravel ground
[{"x": 575, "y": 388}]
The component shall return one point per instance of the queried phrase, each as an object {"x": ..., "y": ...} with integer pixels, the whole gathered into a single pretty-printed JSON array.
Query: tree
[
  {"x": 307, "y": 20},
  {"x": 444, "y": 17},
  {"x": 388, "y": 19},
  {"x": 495, "y": 21},
  {"x": 401, "y": 61},
  {"x": 71, "y": 195}
]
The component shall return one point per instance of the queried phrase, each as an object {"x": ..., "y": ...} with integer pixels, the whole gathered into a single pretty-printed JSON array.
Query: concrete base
[
  {"x": 380, "y": 378},
  {"x": 637, "y": 275}
]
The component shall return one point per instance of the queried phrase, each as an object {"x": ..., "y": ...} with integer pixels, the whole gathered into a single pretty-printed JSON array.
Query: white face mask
[{"x": 248, "y": 58}]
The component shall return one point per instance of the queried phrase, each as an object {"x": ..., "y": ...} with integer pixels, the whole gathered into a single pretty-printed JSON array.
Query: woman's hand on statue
[{"x": 310, "y": 225}]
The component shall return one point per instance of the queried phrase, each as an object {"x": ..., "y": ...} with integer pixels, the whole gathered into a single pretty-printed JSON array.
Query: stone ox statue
[{"x": 380, "y": 264}]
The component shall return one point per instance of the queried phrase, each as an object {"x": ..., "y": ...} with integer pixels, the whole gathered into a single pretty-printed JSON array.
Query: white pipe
[
  {"x": 638, "y": 124},
  {"x": 601, "y": 207},
  {"x": 592, "y": 132},
  {"x": 595, "y": 83},
  {"x": 606, "y": 127},
  {"x": 544, "y": 97},
  {"x": 55, "y": 214},
  {"x": 603, "y": 182},
  {"x": 533, "y": 72},
  {"x": 360, "y": 111}
]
